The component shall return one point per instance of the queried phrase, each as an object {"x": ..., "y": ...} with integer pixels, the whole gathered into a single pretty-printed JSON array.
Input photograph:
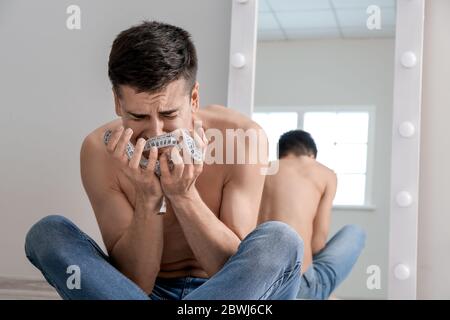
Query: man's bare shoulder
[
  {"x": 220, "y": 117},
  {"x": 329, "y": 176},
  {"x": 223, "y": 118},
  {"x": 96, "y": 135},
  {"x": 324, "y": 169},
  {"x": 306, "y": 169},
  {"x": 93, "y": 142},
  {"x": 93, "y": 155},
  {"x": 327, "y": 173}
]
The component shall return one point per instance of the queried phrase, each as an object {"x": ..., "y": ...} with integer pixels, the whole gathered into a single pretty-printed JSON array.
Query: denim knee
[
  {"x": 357, "y": 234},
  {"x": 43, "y": 237},
  {"x": 281, "y": 243}
]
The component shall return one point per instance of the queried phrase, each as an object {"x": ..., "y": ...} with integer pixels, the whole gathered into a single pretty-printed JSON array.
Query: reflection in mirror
[{"x": 327, "y": 67}]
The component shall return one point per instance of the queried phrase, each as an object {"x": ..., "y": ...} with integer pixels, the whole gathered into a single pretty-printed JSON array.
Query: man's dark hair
[
  {"x": 297, "y": 142},
  {"x": 148, "y": 56}
]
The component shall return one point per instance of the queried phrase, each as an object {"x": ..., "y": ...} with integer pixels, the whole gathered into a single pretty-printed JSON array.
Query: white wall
[
  {"x": 340, "y": 72},
  {"x": 54, "y": 90},
  {"x": 434, "y": 208}
]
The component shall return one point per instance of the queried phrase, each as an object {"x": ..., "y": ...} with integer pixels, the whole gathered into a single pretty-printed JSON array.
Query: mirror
[{"x": 327, "y": 67}]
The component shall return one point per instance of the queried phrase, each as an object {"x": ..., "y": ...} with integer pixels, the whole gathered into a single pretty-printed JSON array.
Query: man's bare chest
[{"x": 209, "y": 184}]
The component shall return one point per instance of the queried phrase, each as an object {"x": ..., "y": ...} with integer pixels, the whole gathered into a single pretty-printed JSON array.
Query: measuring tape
[{"x": 165, "y": 140}]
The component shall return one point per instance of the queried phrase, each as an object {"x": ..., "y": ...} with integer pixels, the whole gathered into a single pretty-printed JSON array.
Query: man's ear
[
  {"x": 195, "y": 98},
  {"x": 117, "y": 104}
]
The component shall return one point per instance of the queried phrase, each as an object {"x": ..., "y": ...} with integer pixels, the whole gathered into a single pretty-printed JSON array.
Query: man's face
[{"x": 154, "y": 114}]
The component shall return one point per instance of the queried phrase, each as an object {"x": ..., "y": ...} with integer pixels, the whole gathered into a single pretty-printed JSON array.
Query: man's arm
[
  {"x": 321, "y": 224},
  {"x": 214, "y": 240},
  {"x": 133, "y": 238}
]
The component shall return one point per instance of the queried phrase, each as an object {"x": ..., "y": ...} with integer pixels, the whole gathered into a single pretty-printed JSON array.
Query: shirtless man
[
  {"x": 207, "y": 237},
  {"x": 301, "y": 194}
]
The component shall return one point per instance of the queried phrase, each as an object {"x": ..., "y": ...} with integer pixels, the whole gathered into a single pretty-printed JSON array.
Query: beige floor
[{"x": 21, "y": 289}]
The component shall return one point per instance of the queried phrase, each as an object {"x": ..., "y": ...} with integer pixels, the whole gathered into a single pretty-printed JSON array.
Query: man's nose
[{"x": 154, "y": 128}]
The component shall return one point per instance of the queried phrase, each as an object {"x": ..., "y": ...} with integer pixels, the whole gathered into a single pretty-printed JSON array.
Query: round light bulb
[
  {"x": 406, "y": 129},
  {"x": 409, "y": 59},
  {"x": 238, "y": 60},
  {"x": 402, "y": 272},
  {"x": 403, "y": 199}
]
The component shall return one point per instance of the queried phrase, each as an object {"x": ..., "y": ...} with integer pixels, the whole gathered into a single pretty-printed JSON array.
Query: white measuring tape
[
  {"x": 162, "y": 141},
  {"x": 165, "y": 140}
]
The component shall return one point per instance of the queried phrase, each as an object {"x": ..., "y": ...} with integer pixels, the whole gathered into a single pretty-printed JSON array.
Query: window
[
  {"x": 342, "y": 137},
  {"x": 275, "y": 124}
]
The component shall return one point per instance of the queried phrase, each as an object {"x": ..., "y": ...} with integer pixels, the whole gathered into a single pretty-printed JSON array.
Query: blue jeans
[
  {"x": 266, "y": 266},
  {"x": 332, "y": 264}
]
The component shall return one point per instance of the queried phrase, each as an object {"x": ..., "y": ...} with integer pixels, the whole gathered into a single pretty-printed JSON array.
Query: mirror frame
[{"x": 405, "y": 156}]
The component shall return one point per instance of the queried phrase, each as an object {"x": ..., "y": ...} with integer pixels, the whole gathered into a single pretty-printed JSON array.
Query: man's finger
[
  {"x": 203, "y": 136},
  {"x": 200, "y": 144},
  {"x": 186, "y": 153},
  {"x": 178, "y": 165},
  {"x": 124, "y": 139},
  {"x": 188, "y": 172},
  {"x": 114, "y": 138},
  {"x": 164, "y": 166},
  {"x": 137, "y": 155},
  {"x": 152, "y": 157},
  {"x": 198, "y": 140}
]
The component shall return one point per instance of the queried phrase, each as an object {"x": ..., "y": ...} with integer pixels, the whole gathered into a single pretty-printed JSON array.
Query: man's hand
[
  {"x": 179, "y": 180},
  {"x": 146, "y": 183}
]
